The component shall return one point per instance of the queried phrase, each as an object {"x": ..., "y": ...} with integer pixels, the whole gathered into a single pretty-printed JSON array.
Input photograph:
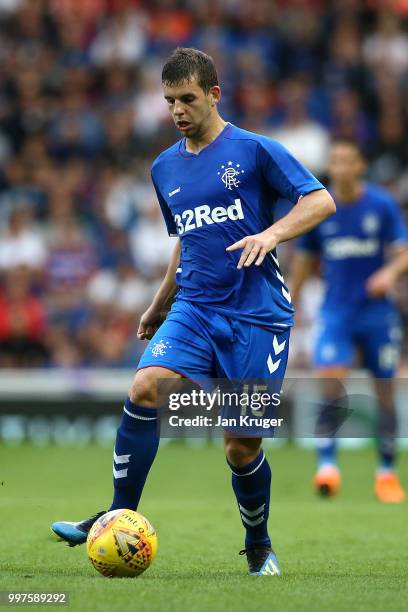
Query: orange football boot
[
  {"x": 388, "y": 488},
  {"x": 327, "y": 480}
]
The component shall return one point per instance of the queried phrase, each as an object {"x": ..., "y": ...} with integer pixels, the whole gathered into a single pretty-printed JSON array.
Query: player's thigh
[
  {"x": 256, "y": 361},
  {"x": 254, "y": 352},
  {"x": 385, "y": 392},
  {"x": 331, "y": 381},
  {"x": 180, "y": 344},
  {"x": 334, "y": 348},
  {"x": 145, "y": 387}
]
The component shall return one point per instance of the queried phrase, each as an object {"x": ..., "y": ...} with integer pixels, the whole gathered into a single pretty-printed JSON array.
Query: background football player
[{"x": 363, "y": 250}]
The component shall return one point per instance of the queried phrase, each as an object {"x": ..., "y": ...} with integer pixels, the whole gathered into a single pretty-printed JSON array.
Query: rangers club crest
[
  {"x": 229, "y": 174},
  {"x": 160, "y": 348},
  {"x": 370, "y": 224}
]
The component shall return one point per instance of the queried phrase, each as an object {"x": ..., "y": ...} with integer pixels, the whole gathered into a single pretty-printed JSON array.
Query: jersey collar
[{"x": 184, "y": 153}]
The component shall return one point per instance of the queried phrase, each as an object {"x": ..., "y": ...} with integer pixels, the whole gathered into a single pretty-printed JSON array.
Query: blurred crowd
[{"x": 83, "y": 245}]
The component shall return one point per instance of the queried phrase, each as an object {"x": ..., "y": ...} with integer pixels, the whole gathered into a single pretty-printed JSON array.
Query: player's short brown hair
[
  {"x": 185, "y": 63},
  {"x": 349, "y": 142}
]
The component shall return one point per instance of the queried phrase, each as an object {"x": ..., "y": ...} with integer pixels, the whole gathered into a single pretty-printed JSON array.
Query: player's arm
[
  {"x": 292, "y": 181},
  {"x": 383, "y": 281},
  {"x": 154, "y": 316},
  {"x": 302, "y": 268},
  {"x": 396, "y": 236},
  {"x": 309, "y": 211},
  {"x": 157, "y": 311}
]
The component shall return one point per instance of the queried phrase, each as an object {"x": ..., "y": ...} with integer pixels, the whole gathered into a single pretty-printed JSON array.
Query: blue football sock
[
  {"x": 326, "y": 451},
  {"x": 137, "y": 441},
  {"x": 387, "y": 430},
  {"x": 329, "y": 420},
  {"x": 252, "y": 485}
]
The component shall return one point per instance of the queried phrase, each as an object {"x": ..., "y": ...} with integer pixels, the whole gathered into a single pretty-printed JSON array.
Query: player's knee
[
  {"x": 143, "y": 391},
  {"x": 240, "y": 452}
]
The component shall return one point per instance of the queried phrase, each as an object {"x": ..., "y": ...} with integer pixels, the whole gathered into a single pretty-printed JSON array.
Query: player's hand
[
  {"x": 150, "y": 322},
  {"x": 381, "y": 282},
  {"x": 255, "y": 248}
]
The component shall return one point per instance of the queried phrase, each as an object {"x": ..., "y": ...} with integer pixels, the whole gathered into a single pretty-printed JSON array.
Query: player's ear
[
  {"x": 215, "y": 95},
  {"x": 363, "y": 166}
]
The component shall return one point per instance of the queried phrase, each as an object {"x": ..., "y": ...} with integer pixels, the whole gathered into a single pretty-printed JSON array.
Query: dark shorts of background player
[{"x": 374, "y": 331}]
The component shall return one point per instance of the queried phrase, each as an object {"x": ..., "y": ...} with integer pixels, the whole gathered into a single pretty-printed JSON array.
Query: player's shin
[
  {"x": 326, "y": 452},
  {"x": 137, "y": 441},
  {"x": 327, "y": 479},
  {"x": 330, "y": 417},
  {"x": 387, "y": 430},
  {"x": 251, "y": 485}
]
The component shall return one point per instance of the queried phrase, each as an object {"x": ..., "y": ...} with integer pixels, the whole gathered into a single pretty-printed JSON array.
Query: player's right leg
[
  {"x": 136, "y": 445},
  {"x": 332, "y": 358},
  {"x": 327, "y": 479},
  {"x": 381, "y": 357},
  {"x": 387, "y": 485},
  {"x": 179, "y": 348},
  {"x": 380, "y": 337},
  {"x": 251, "y": 482}
]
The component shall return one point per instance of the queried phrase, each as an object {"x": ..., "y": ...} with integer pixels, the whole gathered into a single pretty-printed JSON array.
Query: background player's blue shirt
[
  {"x": 353, "y": 244},
  {"x": 215, "y": 198}
]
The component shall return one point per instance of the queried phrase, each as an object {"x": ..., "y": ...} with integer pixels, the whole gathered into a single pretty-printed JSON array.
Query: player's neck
[
  {"x": 203, "y": 140},
  {"x": 348, "y": 193}
]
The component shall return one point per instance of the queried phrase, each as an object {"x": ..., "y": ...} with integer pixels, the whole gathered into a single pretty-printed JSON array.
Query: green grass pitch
[{"x": 348, "y": 554}]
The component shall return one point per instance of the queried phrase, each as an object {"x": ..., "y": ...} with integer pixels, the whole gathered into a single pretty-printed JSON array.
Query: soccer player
[
  {"x": 363, "y": 250},
  {"x": 232, "y": 312}
]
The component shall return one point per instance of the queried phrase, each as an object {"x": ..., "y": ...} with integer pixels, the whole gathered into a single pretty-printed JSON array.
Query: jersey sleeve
[
  {"x": 395, "y": 228},
  {"x": 283, "y": 172},
  {"x": 309, "y": 242},
  {"x": 166, "y": 212}
]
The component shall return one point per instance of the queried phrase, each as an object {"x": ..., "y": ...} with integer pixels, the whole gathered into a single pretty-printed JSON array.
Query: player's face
[
  {"x": 345, "y": 164},
  {"x": 190, "y": 107}
]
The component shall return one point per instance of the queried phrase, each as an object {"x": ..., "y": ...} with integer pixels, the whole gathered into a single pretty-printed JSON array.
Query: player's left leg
[
  {"x": 252, "y": 353},
  {"x": 333, "y": 355},
  {"x": 327, "y": 479},
  {"x": 251, "y": 482},
  {"x": 387, "y": 486},
  {"x": 179, "y": 348},
  {"x": 381, "y": 356},
  {"x": 136, "y": 445}
]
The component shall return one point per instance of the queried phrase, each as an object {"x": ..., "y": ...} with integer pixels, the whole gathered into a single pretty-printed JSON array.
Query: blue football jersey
[
  {"x": 216, "y": 197},
  {"x": 352, "y": 245}
]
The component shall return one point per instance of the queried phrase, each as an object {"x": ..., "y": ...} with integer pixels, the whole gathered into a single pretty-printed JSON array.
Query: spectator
[
  {"x": 121, "y": 39},
  {"x": 22, "y": 244},
  {"x": 304, "y": 137},
  {"x": 82, "y": 116},
  {"x": 387, "y": 46},
  {"x": 22, "y": 323},
  {"x": 150, "y": 244}
]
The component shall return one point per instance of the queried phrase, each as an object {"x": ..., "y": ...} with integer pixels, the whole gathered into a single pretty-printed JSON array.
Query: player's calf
[
  {"x": 251, "y": 481},
  {"x": 136, "y": 445},
  {"x": 137, "y": 439}
]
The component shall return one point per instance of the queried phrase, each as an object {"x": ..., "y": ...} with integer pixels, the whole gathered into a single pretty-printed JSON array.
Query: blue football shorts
[
  {"x": 375, "y": 332},
  {"x": 198, "y": 342}
]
